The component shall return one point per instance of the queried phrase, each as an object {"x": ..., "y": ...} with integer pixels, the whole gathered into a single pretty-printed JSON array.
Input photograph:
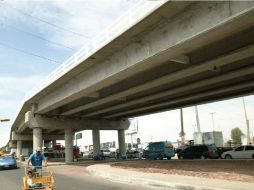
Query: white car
[{"x": 246, "y": 151}]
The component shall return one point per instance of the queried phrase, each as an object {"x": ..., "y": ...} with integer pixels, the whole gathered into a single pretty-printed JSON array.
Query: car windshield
[{"x": 5, "y": 157}]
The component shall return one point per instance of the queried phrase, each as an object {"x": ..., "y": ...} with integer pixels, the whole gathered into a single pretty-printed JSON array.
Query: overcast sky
[{"x": 52, "y": 30}]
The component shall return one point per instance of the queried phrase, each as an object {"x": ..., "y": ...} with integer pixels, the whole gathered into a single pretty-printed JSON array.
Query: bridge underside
[
  {"x": 183, "y": 54},
  {"x": 213, "y": 65},
  {"x": 218, "y": 71}
]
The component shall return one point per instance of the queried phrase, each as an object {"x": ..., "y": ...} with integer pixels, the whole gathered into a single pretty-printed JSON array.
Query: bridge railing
[{"x": 126, "y": 21}]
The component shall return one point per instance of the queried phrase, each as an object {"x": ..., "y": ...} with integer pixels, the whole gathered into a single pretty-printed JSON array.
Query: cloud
[
  {"x": 87, "y": 17},
  {"x": 12, "y": 92},
  {"x": 13, "y": 87}
]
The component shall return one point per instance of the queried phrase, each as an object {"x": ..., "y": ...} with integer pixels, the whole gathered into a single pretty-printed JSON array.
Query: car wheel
[
  {"x": 228, "y": 157},
  {"x": 202, "y": 157},
  {"x": 169, "y": 158},
  {"x": 253, "y": 156}
]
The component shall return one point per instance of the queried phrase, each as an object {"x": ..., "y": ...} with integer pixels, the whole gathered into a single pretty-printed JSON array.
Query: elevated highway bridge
[{"x": 159, "y": 56}]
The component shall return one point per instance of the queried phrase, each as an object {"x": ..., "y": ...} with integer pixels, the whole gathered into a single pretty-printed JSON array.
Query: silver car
[
  {"x": 8, "y": 162},
  {"x": 240, "y": 152}
]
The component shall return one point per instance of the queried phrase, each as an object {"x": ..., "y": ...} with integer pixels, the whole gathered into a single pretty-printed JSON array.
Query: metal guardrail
[{"x": 127, "y": 20}]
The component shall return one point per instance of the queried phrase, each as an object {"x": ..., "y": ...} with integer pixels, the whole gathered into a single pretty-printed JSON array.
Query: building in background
[{"x": 214, "y": 137}]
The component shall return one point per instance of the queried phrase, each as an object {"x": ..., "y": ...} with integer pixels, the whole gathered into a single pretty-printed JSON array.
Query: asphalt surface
[{"x": 66, "y": 179}]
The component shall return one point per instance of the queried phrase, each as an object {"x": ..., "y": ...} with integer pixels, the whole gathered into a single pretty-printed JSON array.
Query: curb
[{"x": 139, "y": 180}]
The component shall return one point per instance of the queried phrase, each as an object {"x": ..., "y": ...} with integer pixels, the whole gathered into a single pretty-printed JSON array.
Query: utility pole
[
  {"x": 182, "y": 134},
  {"x": 197, "y": 119},
  {"x": 212, "y": 119},
  {"x": 247, "y": 122}
]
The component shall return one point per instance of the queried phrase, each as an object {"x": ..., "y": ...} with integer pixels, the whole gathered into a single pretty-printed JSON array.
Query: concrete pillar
[
  {"x": 121, "y": 141},
  {"x": 37, "y": 138},
  {"x": 96, "y": 143},
  {"x": 53, "y": 143},
  {"x": 19, "y": 148},
  {"x": 68, "y": 134}
]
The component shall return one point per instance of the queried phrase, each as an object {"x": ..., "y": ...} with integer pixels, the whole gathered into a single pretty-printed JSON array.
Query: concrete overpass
[{"x": 160, "y": 56}]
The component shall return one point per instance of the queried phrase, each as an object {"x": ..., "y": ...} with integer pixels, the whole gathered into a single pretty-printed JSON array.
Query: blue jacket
[{"x": 36, "y": 159}]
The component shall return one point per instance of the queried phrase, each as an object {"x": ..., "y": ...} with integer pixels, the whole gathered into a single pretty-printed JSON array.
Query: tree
[{"x": 236, "y": 135}]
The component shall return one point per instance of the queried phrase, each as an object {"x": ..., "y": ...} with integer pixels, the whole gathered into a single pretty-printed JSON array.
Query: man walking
[{"x": 36, "y": 160}]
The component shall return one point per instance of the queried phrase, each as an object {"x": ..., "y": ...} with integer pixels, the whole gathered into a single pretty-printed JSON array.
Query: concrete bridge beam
[
  {"x": 196, "y": 27},
  {"x": 46, "y": 137},
  {"x": 39, "y": 121}
]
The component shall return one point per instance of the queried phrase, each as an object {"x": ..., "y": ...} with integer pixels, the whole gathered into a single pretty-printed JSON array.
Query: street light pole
[
  {"x": 247, "y": 122},
  {"x": 182, "y": 133},
  {"x": 212, "y": 119}
]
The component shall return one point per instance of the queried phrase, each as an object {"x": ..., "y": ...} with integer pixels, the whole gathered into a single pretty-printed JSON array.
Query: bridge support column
[
  {"x": 37, "y": 138},
  {"x": 53, "y": 143},
  {"x": 121, "y": 141},
  {"x": 96, "y": 144},
  {"x": 19, "y": 149},
  {"x": 68, "y": 133}
]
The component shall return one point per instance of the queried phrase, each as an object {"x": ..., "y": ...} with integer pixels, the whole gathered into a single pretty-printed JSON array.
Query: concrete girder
[
  {"x": 173, "y": 39},
  {"x": 12, "y": 144},
  {"x": 183, "y": 59},
  {"x": 206, "y": 66},
  {"x": 22, "y": 127},
  {"x": 47, "y": 137},
  {"x": 39, "y": 121},
  {"x": 188, "y": 98},
  {"x": 178, "y": 90}
]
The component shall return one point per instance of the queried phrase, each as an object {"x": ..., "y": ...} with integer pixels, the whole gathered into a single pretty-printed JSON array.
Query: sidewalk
[{"x": 165, "y": 181}]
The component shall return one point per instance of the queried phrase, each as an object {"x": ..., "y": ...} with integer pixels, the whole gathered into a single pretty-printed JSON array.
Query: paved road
[{"x": 67, "y": 178}]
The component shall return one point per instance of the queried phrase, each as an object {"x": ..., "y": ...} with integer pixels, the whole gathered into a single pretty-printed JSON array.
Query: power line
[
  {"x": 44, "y": 21},
  {"x": 39, "y": 37},
  {"x": 28, "y": 53}
]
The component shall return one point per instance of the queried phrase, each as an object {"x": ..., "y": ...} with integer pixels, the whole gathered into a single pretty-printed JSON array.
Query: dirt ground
[{"x": 235, "y": 170}]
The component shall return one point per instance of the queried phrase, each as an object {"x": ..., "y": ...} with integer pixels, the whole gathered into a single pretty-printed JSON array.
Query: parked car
[
  {"x": 112, "y": 154},
  {"x": 133, "y": 154},
  {"x": 85, "y": 154},
  {"x": 159, "y": 150},
  {"x": 105, "y": 153},
  {"x": 199, "y": 151},
  {"x": 246, "y": 151},
  {"x": 90, "y": 154},
  {"x": 223, "y": 149},
  {"x": 7, "y": 162}
]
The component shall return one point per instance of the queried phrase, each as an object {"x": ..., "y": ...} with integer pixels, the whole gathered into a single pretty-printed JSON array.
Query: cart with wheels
[{"x": 42, "y": 177}]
